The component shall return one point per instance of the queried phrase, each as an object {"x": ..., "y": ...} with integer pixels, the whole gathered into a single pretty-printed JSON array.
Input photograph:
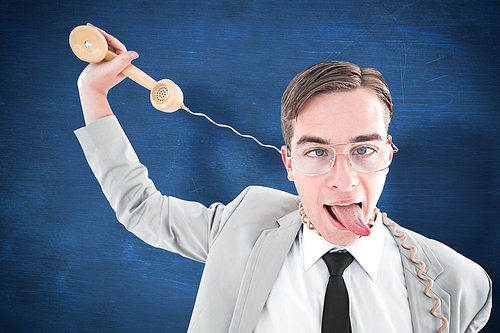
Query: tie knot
[{"x": 337, "y": 262}]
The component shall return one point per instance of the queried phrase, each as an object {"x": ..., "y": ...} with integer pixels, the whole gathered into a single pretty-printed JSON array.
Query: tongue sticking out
[{"x": 352, "y": 218}]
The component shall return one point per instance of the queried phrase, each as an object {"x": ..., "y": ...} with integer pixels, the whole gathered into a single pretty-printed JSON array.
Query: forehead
[{"x": 340, "y": 117}]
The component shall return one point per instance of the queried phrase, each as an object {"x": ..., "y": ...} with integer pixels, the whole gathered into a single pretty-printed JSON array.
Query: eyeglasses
[{"x": 368, "y": 156}]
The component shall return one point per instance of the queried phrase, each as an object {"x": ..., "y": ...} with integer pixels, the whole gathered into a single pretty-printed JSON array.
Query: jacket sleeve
[
  {"x": 483, "y": 315},
  {"x": 165, "y": 222}
]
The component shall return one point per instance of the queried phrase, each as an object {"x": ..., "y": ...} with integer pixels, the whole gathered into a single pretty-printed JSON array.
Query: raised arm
[{"x": 187, "y": 228}]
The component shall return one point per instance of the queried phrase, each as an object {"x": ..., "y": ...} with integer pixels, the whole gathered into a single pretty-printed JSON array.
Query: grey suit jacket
[{"x": 244, "y": 244}]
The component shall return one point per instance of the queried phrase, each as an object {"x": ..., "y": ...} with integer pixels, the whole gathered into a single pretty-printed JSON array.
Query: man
[{"x": 263, "y": 255}]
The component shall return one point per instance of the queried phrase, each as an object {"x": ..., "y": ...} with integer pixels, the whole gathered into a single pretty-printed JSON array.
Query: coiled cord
[{"x": 413, "y": 249}]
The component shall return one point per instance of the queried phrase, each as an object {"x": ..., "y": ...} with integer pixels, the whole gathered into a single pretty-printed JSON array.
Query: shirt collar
[{"x": 366, "y": 250}]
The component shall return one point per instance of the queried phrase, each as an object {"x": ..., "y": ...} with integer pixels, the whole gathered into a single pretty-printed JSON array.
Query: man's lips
[
  {"x": 329, "y": 209},
  {"x": 348, "y": 216}
]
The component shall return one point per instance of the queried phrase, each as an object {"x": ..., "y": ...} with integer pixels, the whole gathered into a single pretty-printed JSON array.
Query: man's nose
[{"x": 342, "y": 175}]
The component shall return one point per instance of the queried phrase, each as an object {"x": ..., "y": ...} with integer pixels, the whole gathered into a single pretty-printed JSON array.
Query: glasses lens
[
  {"x": 370, "y": 156},
  {"x": 313, "y": 160}
]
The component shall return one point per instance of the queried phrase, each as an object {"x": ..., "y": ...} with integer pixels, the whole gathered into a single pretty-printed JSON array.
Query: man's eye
[
  {"x": 316, "y": 152},
  {"x": 363, "y": 151}
]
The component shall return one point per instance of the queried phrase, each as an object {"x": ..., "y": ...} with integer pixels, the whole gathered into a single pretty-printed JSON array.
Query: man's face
[{"x": 338, "y": 118}]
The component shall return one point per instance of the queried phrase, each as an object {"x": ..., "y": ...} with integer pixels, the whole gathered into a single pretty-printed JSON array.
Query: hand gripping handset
[{"x": 88, "y": 44}]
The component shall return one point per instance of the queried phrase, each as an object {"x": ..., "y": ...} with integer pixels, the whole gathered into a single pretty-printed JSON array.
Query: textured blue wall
[{"x": 67, "y": 265}]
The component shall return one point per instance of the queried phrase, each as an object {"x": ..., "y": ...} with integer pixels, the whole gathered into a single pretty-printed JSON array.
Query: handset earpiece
[{"x": 89, "y": 45}]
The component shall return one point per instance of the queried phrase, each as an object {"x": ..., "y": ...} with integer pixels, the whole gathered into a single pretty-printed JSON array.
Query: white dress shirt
[{"x": 378, "y": 299}]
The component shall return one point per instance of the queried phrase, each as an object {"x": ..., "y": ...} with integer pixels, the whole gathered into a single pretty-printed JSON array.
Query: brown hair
[{"x": 327, "y": 77}]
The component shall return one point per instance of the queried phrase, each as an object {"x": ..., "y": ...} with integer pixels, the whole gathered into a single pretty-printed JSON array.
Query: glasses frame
[{"x": 332, "y": 160}]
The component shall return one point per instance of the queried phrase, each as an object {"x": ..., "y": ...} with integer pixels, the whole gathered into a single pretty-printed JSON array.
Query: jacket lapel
[
  {"x": 262, "y": 270},
  {"x": 423, "y": 321}
]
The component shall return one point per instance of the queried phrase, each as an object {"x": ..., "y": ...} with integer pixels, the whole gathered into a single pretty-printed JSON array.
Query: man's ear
[
  {"x": 390, "y": 158},
  {"x": 391, "y": 155},
  {"x": 392, "y": 150},
  {"x": 287, "y": 162}
]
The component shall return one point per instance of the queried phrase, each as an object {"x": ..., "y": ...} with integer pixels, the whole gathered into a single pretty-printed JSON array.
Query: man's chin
[{"x": 340, "y": 237}]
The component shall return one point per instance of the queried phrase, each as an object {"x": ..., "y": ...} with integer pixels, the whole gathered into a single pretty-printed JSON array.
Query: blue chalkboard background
[{"x": 67, "y": 265}]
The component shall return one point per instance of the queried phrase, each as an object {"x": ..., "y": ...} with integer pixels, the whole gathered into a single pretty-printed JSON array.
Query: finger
[
  {"x": 114, "y": 44},
  {"x": 123, "y": 60}
]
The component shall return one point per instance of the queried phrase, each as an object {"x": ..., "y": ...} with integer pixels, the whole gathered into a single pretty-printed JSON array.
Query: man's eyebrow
[
  {"x": 311, "y": 139},
  {"x": 308, "y": 139},
  {"x": 367, "y": 137}
]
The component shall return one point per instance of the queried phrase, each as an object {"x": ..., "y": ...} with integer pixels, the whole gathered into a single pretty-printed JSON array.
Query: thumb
[{"x": 123, "y": 60}]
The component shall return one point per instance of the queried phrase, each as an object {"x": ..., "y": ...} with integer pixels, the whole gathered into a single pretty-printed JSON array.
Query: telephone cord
[{"x": 227, "y": 126}]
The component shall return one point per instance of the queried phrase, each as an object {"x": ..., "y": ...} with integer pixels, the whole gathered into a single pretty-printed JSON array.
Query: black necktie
[{"x": 336, "y": 309}]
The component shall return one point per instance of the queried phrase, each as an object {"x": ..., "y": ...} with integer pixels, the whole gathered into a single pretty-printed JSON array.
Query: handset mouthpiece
[{"x": 167, "y": 96}]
